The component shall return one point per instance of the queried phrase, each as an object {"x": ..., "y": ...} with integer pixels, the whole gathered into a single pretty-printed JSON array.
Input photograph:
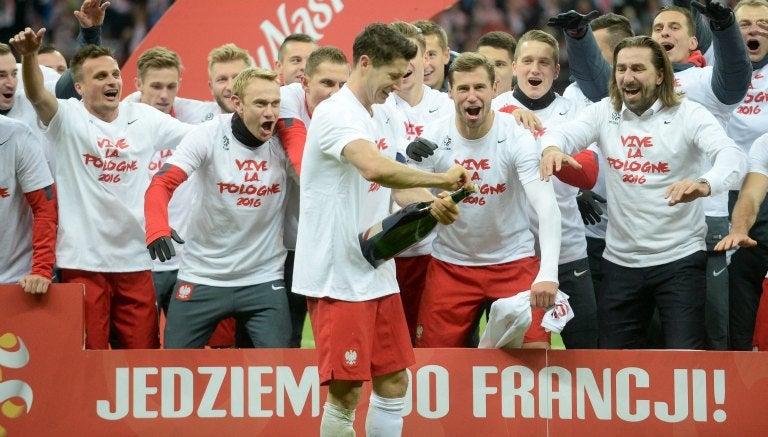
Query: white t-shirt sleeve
[
  {"x": 578, "y": 133},
  {"x": 729, "y": 162},
  {"x": 194, "y": 149},
  {"x": 31, "y": 168},
  {"x": 336, "y": 132},
  {"x": 758, "y": 156},
  {"x": 170, "y": 130}
]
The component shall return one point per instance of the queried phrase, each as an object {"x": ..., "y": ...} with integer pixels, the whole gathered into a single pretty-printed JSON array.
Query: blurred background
[{"x": 127, "y": 21}]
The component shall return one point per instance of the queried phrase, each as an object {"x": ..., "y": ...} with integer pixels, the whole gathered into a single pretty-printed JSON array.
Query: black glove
[
  {"x": 163, "y": 247},
  {"x": 573, "y": 22},
  {"x": 588, "y": 206},
  {"x": 420, "y": 148},
  {"x": 720, "y": 15}
]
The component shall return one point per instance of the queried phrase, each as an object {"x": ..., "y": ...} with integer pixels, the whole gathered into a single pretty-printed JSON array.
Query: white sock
[
  {"x": 384, "y": 417},
  {"x": 337, "y": 421}
]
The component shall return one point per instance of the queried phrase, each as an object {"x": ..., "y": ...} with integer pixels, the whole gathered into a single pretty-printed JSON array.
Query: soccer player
[
  {"x": 347, "y": 167},
  {"x": 438, "y": 54},
  {"x": 103, "y": 149},
  {"x": 489, "y": 252},
  {"x": 327, "y": 70},
  {"x": 292, "y": 57},
  {"x": 747, "y": 123},
  {"x": 234, "y": 264},
  {"x": 654, "y": 144},
  {"x": 27, "y": 209},
  {"x": 536, "y": 67},
  {"x": 499, "y": 47}
]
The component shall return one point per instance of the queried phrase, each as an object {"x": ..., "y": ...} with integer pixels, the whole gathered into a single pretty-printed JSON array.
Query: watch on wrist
[{"x": 704, "y": 181}]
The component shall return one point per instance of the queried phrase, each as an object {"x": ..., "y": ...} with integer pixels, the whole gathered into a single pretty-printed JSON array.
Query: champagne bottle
[{"x": 401, "y": 230}]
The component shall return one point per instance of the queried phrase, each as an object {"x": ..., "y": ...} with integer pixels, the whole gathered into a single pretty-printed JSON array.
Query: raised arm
[
  {"x": 90, "y": 17},
  {"x": 733, "y": 69},
  {"x": 27, "y": 43},
  {"x": 585, "y": 61}
]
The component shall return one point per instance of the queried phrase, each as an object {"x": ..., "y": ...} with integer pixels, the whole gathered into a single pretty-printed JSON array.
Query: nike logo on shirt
[
  {"x": 718, "y": 272},
  {"x": 581, "y": 273},
  {"x": 433, "y": 110},
  {"x": 133, "y": 121},
  {"x": 277, "y": 288}
]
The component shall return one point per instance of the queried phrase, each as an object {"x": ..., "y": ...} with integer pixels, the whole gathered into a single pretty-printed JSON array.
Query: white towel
[
  {"x": 556, "y": 317},
  {"x": 510, "y": 317}
]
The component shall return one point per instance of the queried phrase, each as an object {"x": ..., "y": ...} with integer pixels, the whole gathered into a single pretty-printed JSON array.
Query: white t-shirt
[
  {"x": 573, "y": 244},
  {"x": 184, "y": 198},
  {"x": 696, "y": 84},
  {"x": 293, "y": 104},
  {"x": 413, "y": 119},
  {"x": 750, "y": 118},
  {"x": 573, "y": 92},
  {"x": 101, "y": 175},
  {"x": 758, "y": 156},
  {"x": 493, "y": 227},
  {"x": 23, "y": 170},
  {"x": 643, "y": 155},
  {"x": 337, "y": 204},
  {"x": 235, "y": 236}
]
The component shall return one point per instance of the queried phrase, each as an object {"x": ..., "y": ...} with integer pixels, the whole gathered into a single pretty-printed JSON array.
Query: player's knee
[{"x": 392, "y": 385}]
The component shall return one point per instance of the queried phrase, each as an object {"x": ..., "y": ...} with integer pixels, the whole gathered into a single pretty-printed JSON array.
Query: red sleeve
[
  {"x": 293, "y": 135},
  {"x": 45, "y": 222},
  {"x": 584, "y": 178},
  {"x": 509, "y": 108},
  {"x": 156, "y": 199}
]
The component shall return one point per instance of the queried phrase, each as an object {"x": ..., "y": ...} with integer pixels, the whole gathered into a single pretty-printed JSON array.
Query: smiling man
[
  {"x": 489, "y": 252},
  {"x": 103, "y": 149},
  {"x": 292, "y": 57},
  {"x": 654, "y": 144},
  {"x": 327, "y": 70},
  {"x": 347, "y": 171},
  {"x": 748, "y": 122},
  {"x": 536, "y": 67},
  {"x": 240, "y": 169}
]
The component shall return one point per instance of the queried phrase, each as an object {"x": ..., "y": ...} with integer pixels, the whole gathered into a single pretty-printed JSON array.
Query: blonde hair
[
  {"x": 246, "y": 76},
  {"x": 228, "y": 53},
  {"x": 543, "y": 37},
  {"x": 158, "y": 58}
]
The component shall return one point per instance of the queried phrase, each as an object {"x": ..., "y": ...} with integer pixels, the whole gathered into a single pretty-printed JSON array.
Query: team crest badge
[
  {"x": 350, "y": 358},
  {"x": 184, "y": 292}
]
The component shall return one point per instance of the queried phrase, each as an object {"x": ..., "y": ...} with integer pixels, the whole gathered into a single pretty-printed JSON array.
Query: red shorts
[
  {"x": 357, "y": 341},
  {"x": 454, "y": 295},
  {"x": 124, "y": 300},
  {"x": 411, "y": 278}
]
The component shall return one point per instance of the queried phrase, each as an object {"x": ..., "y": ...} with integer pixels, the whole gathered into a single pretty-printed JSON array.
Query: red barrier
[
  {"x": 49, "y": 385},
  {"x": 192, "y": 28}
]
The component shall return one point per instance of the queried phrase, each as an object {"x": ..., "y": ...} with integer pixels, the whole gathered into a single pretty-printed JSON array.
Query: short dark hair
[
  {"x": 429, "y": 27},
  {"x": 48, "y": 48},
  {"x": 686, "y": 12},
  {"x": 469, "y": 61},
  {"x": 88, "y": 51},
  {"x": 617, "y": 26},
  {"x": 294, "y": 37},
  {"x": 330, "y": 54},
  {"x": 382, "y": 45},
  {"x": 4, "y": 49},
  {"x": 499, "y": 40}
]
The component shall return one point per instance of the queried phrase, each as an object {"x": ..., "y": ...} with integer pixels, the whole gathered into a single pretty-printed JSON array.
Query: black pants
[
  {"x": 746, "y": 273},
  {"x": 629, "y": 295}
]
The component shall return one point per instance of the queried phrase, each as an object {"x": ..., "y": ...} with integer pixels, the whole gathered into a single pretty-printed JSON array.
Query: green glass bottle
[{"x": 401, "y": 230}]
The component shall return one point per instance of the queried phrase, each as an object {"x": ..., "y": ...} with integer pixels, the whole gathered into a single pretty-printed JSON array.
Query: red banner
[
  {"x": 192, "y": 28},
  {"x": 49, "y": 385}
]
